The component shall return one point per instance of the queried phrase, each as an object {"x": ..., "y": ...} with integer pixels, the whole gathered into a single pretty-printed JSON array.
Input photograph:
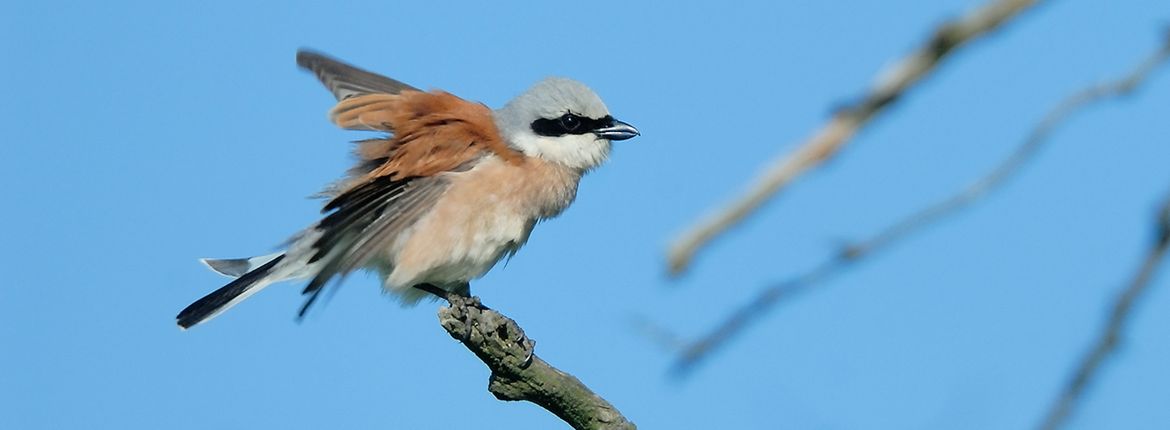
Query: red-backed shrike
[{"x": 453, "y": 189}]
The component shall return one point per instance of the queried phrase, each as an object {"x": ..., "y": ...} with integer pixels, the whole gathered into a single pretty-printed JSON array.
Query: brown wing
[
  {"x": 433, "y": 132},
  {"x": 398, "y": 179}
]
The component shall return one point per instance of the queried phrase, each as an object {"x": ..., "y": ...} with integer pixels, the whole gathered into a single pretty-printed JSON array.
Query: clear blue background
[{"x": 139, "y": 136}]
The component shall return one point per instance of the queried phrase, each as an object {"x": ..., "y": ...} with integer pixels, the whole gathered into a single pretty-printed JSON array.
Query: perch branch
[
  {"x": 517, "y": 373},
  {"x": 973, "y": 192},
  {"x": 845, "y": 123},
  {"x": 1110, "y": 337}
]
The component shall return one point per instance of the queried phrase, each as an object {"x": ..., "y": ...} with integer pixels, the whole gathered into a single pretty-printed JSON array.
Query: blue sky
[{"x": 142, "y": 135}]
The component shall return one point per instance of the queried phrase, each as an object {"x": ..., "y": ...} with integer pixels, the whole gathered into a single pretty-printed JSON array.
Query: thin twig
[
  {"x": 930, "y": 214},
  {"x": 1110, "y": 337},
  {"x": 517, "y": 373},
  {"x": 846, "y": 122}
]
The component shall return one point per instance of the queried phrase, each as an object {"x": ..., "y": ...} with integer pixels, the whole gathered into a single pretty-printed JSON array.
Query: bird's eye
[{"x": 570, "y": 122}]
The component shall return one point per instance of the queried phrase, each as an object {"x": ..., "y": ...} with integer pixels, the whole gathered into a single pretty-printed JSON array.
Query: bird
[{"x": 447, "y": 190}]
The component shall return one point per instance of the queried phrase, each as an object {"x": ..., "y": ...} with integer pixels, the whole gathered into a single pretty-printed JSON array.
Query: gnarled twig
[{"x": 517, "y": 373}]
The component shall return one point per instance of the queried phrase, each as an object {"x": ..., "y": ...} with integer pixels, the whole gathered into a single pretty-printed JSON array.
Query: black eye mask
[{"x": 569, "y": 123}]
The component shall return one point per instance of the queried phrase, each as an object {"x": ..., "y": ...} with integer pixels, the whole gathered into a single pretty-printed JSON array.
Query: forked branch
[
  {"x": 696, "y": 351},
  {"x": 827, "y": 141}
]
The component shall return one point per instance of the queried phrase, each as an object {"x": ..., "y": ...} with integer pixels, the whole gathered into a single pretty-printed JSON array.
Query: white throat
[{"x": 580, "y": 151}]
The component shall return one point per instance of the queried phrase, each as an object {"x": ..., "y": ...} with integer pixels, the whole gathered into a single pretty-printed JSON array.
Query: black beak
[{"x": 617, "y": 130}]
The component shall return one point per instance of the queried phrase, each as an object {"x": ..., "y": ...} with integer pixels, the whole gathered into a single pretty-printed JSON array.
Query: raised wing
[{"x": 344, "y": 80}]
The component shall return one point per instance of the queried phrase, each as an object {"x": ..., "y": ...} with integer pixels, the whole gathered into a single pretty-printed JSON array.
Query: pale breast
[{"x": 487, "y": 212}]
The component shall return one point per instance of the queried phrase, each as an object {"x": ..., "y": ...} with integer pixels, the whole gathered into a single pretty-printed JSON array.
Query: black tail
[{"x": 215, "y": 302}]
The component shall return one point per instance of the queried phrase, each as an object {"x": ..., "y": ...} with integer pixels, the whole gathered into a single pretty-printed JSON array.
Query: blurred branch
[
  {"x": 1111, "y": 333},
  {"x": 845, "y": 123},
  {"x": 973, "y": 192},
  {"x": 517, "y": 373}
]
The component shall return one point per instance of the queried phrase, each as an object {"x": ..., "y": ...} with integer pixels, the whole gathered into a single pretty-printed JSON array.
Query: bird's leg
[
  {"x": 433, "y": 289},
  {"x": 463, "y": 290},
  {"x": 460, "y": 295}
]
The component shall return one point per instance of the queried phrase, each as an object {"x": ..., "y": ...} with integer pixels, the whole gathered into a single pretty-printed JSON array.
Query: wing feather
[
  {"x": 364, "y": 222},
  {"x": 346, "y": 81}
]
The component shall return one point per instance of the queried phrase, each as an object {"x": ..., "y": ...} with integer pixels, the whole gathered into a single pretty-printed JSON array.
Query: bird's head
[{"x": 562, "y": 121}]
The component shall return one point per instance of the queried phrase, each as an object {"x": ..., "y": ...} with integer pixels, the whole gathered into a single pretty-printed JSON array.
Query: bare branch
[
  {"x": 1018, "y": 158},
  {"x": 1111, "y": 333},
  {"x": 827, "y": 141},
  {"x": 517, "y": 373},
  {"x": 973, "y": 192}
]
